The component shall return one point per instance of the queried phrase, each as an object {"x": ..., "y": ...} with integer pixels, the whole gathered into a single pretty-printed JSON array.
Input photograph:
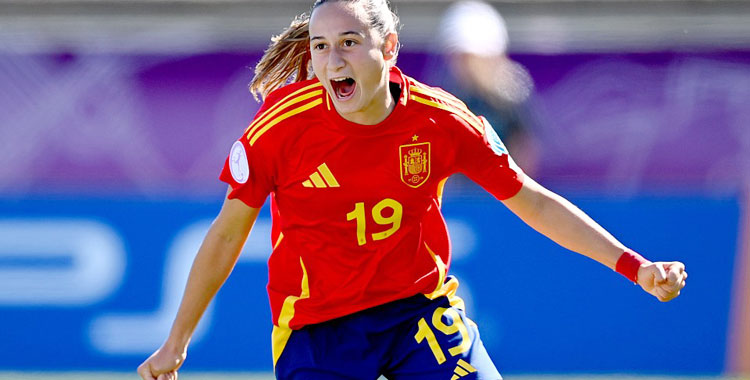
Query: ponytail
[{"x": 286, "y": 59}]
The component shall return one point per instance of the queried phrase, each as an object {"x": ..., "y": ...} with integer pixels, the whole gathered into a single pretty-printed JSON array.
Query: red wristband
[{"x": 628, "y": 264}]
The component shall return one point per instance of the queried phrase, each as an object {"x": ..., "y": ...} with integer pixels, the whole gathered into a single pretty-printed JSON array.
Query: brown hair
[{"x": 287, "y": 58}]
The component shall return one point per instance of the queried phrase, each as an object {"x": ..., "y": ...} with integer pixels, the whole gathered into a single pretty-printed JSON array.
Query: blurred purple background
[{"x": 161, "y": 124}]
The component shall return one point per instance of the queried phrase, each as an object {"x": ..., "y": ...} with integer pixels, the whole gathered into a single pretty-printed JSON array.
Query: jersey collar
[{"x": 398, "y": 77}]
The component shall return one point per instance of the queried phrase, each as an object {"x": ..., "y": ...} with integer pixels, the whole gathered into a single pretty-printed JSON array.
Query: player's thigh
[
  {"x": 442, "y": 343},
  {"x": 316, "y": 374},
  {"x": 333, "y": 350}
]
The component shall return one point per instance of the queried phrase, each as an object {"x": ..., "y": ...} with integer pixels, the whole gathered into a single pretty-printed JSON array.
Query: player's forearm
[
  {"x": 211, "y": 267},
  {"x": 565, "y": 224},
  {"x": 570, "y": 227}
]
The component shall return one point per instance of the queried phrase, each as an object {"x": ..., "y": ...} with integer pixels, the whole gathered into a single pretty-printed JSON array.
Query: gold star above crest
[{"x": 414, "y": 138}]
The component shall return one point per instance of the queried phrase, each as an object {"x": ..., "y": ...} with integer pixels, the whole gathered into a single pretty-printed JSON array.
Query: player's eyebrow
[{"x": 350, "y": 32}]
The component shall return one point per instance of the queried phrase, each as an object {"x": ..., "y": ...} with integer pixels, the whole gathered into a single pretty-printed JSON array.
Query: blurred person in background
[
  {"x": 473, "y": 39},
  {"x": 355, "y": 155}
]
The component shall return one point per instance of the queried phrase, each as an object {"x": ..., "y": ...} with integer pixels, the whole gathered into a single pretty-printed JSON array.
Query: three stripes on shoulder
[
  {"x": 283, "y": 109},
  {"x": 436, "y": 97}
]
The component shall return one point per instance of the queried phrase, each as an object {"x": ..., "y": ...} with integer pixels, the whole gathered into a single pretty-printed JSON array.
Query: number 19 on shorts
[{"x": 426, "y": 333}]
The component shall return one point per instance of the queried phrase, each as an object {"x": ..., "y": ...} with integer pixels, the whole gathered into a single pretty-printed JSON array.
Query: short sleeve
[
  {"x": 483, "y": 157},
  {"x": 247, "y": 173}
]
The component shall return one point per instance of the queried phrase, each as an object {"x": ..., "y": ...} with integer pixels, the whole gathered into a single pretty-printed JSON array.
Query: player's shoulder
[
  {"x": 433, "y": 93},
  {"x": 292, "y": 90},
  {"x": 285, "y": 106},
  {"x": 436, "y": 102}
]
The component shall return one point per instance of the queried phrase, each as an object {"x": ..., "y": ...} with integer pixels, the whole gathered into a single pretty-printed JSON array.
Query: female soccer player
[{"x": 355, "y": 160}]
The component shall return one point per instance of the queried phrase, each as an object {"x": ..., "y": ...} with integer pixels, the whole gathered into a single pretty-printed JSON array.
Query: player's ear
[{"x": 390, "y": 46}]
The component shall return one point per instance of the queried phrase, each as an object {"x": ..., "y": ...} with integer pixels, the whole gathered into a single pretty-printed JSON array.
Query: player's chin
[{"x": 346, "y": 106}]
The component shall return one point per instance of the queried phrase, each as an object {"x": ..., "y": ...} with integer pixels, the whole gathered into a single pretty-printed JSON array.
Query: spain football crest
[{"x": 415, "y": 163}]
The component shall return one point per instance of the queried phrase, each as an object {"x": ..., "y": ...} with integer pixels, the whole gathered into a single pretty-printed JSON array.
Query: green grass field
[{"x": 256, "y": 376}]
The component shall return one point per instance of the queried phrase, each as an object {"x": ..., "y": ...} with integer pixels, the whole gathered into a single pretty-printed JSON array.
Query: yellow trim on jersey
[
  {"x": 442, "y": 269},
  {"x": 281, "y": 332},
  {"x": 281, "y": 118},
  {"x": 278, "y": 108},
  {"x": 449, "y": 290},
  {"x": 442, "y": 95},
  {"x": 278, "y": 240},
  {"x": 328, "y": 176},
  {"x": 475, "y": 123},
  {"x": 447, "y": 104},
  {"x": 281, "y": 103},
  {"x": 440, "y": 188}
]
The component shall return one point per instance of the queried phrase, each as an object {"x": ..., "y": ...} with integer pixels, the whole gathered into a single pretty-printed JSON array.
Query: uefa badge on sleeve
[
  {"x": 493, "y": 139},
  {"x": 415, "y": 163},
  {"x": 238, "y": 163}
]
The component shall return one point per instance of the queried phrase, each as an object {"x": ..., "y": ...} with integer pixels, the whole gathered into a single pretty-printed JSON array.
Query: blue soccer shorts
[{"x": 410, "y": 339}]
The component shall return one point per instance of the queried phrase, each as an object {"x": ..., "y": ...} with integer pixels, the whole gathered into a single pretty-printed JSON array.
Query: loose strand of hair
[{"x": 286, "y": 60}]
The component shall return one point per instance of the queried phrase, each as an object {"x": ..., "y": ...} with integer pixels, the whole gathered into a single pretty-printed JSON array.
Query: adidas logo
[
  {"x": 322, "y": 178},
  {"x": 462, "y": 369}
]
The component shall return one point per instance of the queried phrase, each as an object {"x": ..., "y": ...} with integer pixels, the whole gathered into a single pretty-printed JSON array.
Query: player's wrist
[
  {"x": 629, "y": 263},
  {"x": 175, "y": 346}
]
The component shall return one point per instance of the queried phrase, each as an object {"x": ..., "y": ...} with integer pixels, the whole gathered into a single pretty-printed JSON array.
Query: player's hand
[
  {"x": 162, "y": 365},
  {"x": 663, "y": 280}
]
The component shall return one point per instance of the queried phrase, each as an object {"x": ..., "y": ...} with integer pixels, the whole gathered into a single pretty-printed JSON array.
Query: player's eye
[
  {"x": 319, "y": 46},
  {"x": 349, "y": 43}
]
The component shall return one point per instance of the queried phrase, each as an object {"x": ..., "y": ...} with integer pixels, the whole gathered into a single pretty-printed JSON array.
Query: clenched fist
[
  {"x": 162, "y": 365},
  {"x": 663, "y": 280}
]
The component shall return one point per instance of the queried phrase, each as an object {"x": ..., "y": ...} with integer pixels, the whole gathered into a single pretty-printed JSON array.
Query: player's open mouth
[{"x": 343, "y": 87}]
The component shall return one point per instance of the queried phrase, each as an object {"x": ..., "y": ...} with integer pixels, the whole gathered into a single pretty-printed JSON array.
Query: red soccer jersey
[{"x": 356, "y": 208}]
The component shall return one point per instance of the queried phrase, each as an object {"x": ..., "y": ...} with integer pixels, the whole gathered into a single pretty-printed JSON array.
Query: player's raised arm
[
  {"x": 564, "y": 223},
  {"x": 212, "y": 265}
]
